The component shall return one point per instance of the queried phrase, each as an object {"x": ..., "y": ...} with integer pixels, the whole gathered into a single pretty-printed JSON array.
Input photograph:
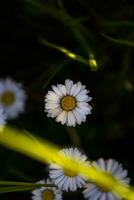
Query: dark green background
[{"x": 109, "y": 131}]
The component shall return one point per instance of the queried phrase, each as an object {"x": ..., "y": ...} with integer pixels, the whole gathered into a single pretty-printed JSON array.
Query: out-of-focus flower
[
  {"x": 98, "y": 192},
  {"x": 64, "y": 178},
  {"x": 12, "y": 98},
  {"x": 68, "y": 103},
  {"x": 2, "y": 119},
  {"x": 46, "y": 193}
]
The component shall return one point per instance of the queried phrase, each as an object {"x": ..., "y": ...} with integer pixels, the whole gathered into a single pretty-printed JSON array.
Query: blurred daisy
[
  {"x": 2, "y": 119},
  {"x": 68, "y": 103},
  {"x": 46, "y": 193},
  {"x": 98, "y": 192},
  {"x": 66, "y": 179},
  {"x": 12, "y": 98}
]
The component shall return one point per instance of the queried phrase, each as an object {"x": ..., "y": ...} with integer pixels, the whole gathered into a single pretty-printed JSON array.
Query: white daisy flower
[
  {"x": 66, "y": 179},
  {"x": 68, "y": 103},
  {"x": 12, "y": 98},
  {"x": 98, "y": 192},
  {"x": 2, "y": 119},
  {"x": 46, "y": 193}
]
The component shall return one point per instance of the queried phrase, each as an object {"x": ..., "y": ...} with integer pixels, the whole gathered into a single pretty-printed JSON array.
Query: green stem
[
  {"x": 66, "y": 19},
  {"x": 26, "y": 184},
  {"x": 61, "y": 4},
  {"x": 119, "y": 41},
  {"x": 15, "y": 189},
  {"x": 67, "y": 52},
  {"x": 74, "y": 137},
  {"x": 55, "y": 71}
]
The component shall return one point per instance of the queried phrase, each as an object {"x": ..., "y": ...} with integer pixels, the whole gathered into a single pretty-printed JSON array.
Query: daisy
[
  {"x": 12, "y": 98},
  {"x": 97, "y": 192},
  {"x": 46, "y": 193},
  {"x": 66, "y": 179},
  {"x": 68, "y": 103},
  {"x": 2, "y": 119}
]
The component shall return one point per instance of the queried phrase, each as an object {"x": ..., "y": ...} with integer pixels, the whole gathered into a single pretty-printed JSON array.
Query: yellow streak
[
  {"x": 46, "y": 152},
  {"x": 28, "y": 145},
  {"x": 68, "y": 53},
  {"x": 93, "y": 64}
]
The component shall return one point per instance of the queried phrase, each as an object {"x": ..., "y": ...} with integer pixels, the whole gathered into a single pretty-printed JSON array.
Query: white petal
[
  {"x": 56, "y": 174},
  {"x": 82, "y": 92},
  {"x": 52, "y": 100},
  {"x": 82, "y": 114},
  {"x": 57, "y": 91},
  {"x": 122, "y": 174},
  {"x": 80, "y": 182},
  {"x": 61, "y": 183},
  {"x": 66, "y": 185},
  {"x": 71, "y": 121},
  {"x": 52, "y": 96},
  {"x": 54, "y": 112},
  {"x": 2, "y": 88},
  {"x": 73, "y": 90},
  {"x": 103, "y": 196},
  {"x": 95, "y": 196},
  {"x": 118, "y": 170},
  {"x": 74, "y": 184},
  {"x": 55, "y": 166},
  {"x": 62, "y": 89},
  {"x": 110, "y": 196},
  {"x": 115, "y": 167},
  {"x": 96, "y": 165},
  {"x": 84, "y": 98},
  {"x": 101, "y": 163},
  {"x": 62, "y": 117},
  {"x": 68, "y": 84},
  {"x": 51, "y": 105},
  {"x": 109, "y": 165},
  {"x": 84, "y": 107},
  {"x": 70, "y": 184},
  {"x": 78, "y": 89}
]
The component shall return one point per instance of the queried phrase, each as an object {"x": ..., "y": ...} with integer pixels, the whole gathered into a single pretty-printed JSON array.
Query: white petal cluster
[
  {"x": 37, "y": 194},
  {"x": 66, "y": 180},
  {"x": 68, "y": 103},
  {"x": 95, "y": 192},
  {"x": 14, "y": 102}
]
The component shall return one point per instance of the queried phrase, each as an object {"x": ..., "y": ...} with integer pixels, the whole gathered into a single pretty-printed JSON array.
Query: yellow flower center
[
  {"x": 48, "y": 195},
  {"x": 7, "y": 98},
  {"x": 68, "y": 103},
  {"x": 69, "y": 173}
]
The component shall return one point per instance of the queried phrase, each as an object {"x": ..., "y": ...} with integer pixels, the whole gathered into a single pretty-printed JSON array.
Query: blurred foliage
[{"x": 100, "y": 30}]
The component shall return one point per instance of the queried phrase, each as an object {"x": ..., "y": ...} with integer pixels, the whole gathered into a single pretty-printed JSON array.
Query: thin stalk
[
  {"x": 74, "y": 137},
  {"x": 11, "y": 183},
  {"x": 119, "y": 41},
  {"x": 16, "y": 189},
  {"x": 67, "y": 52},
  {"x": 55, "y": 71}
]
